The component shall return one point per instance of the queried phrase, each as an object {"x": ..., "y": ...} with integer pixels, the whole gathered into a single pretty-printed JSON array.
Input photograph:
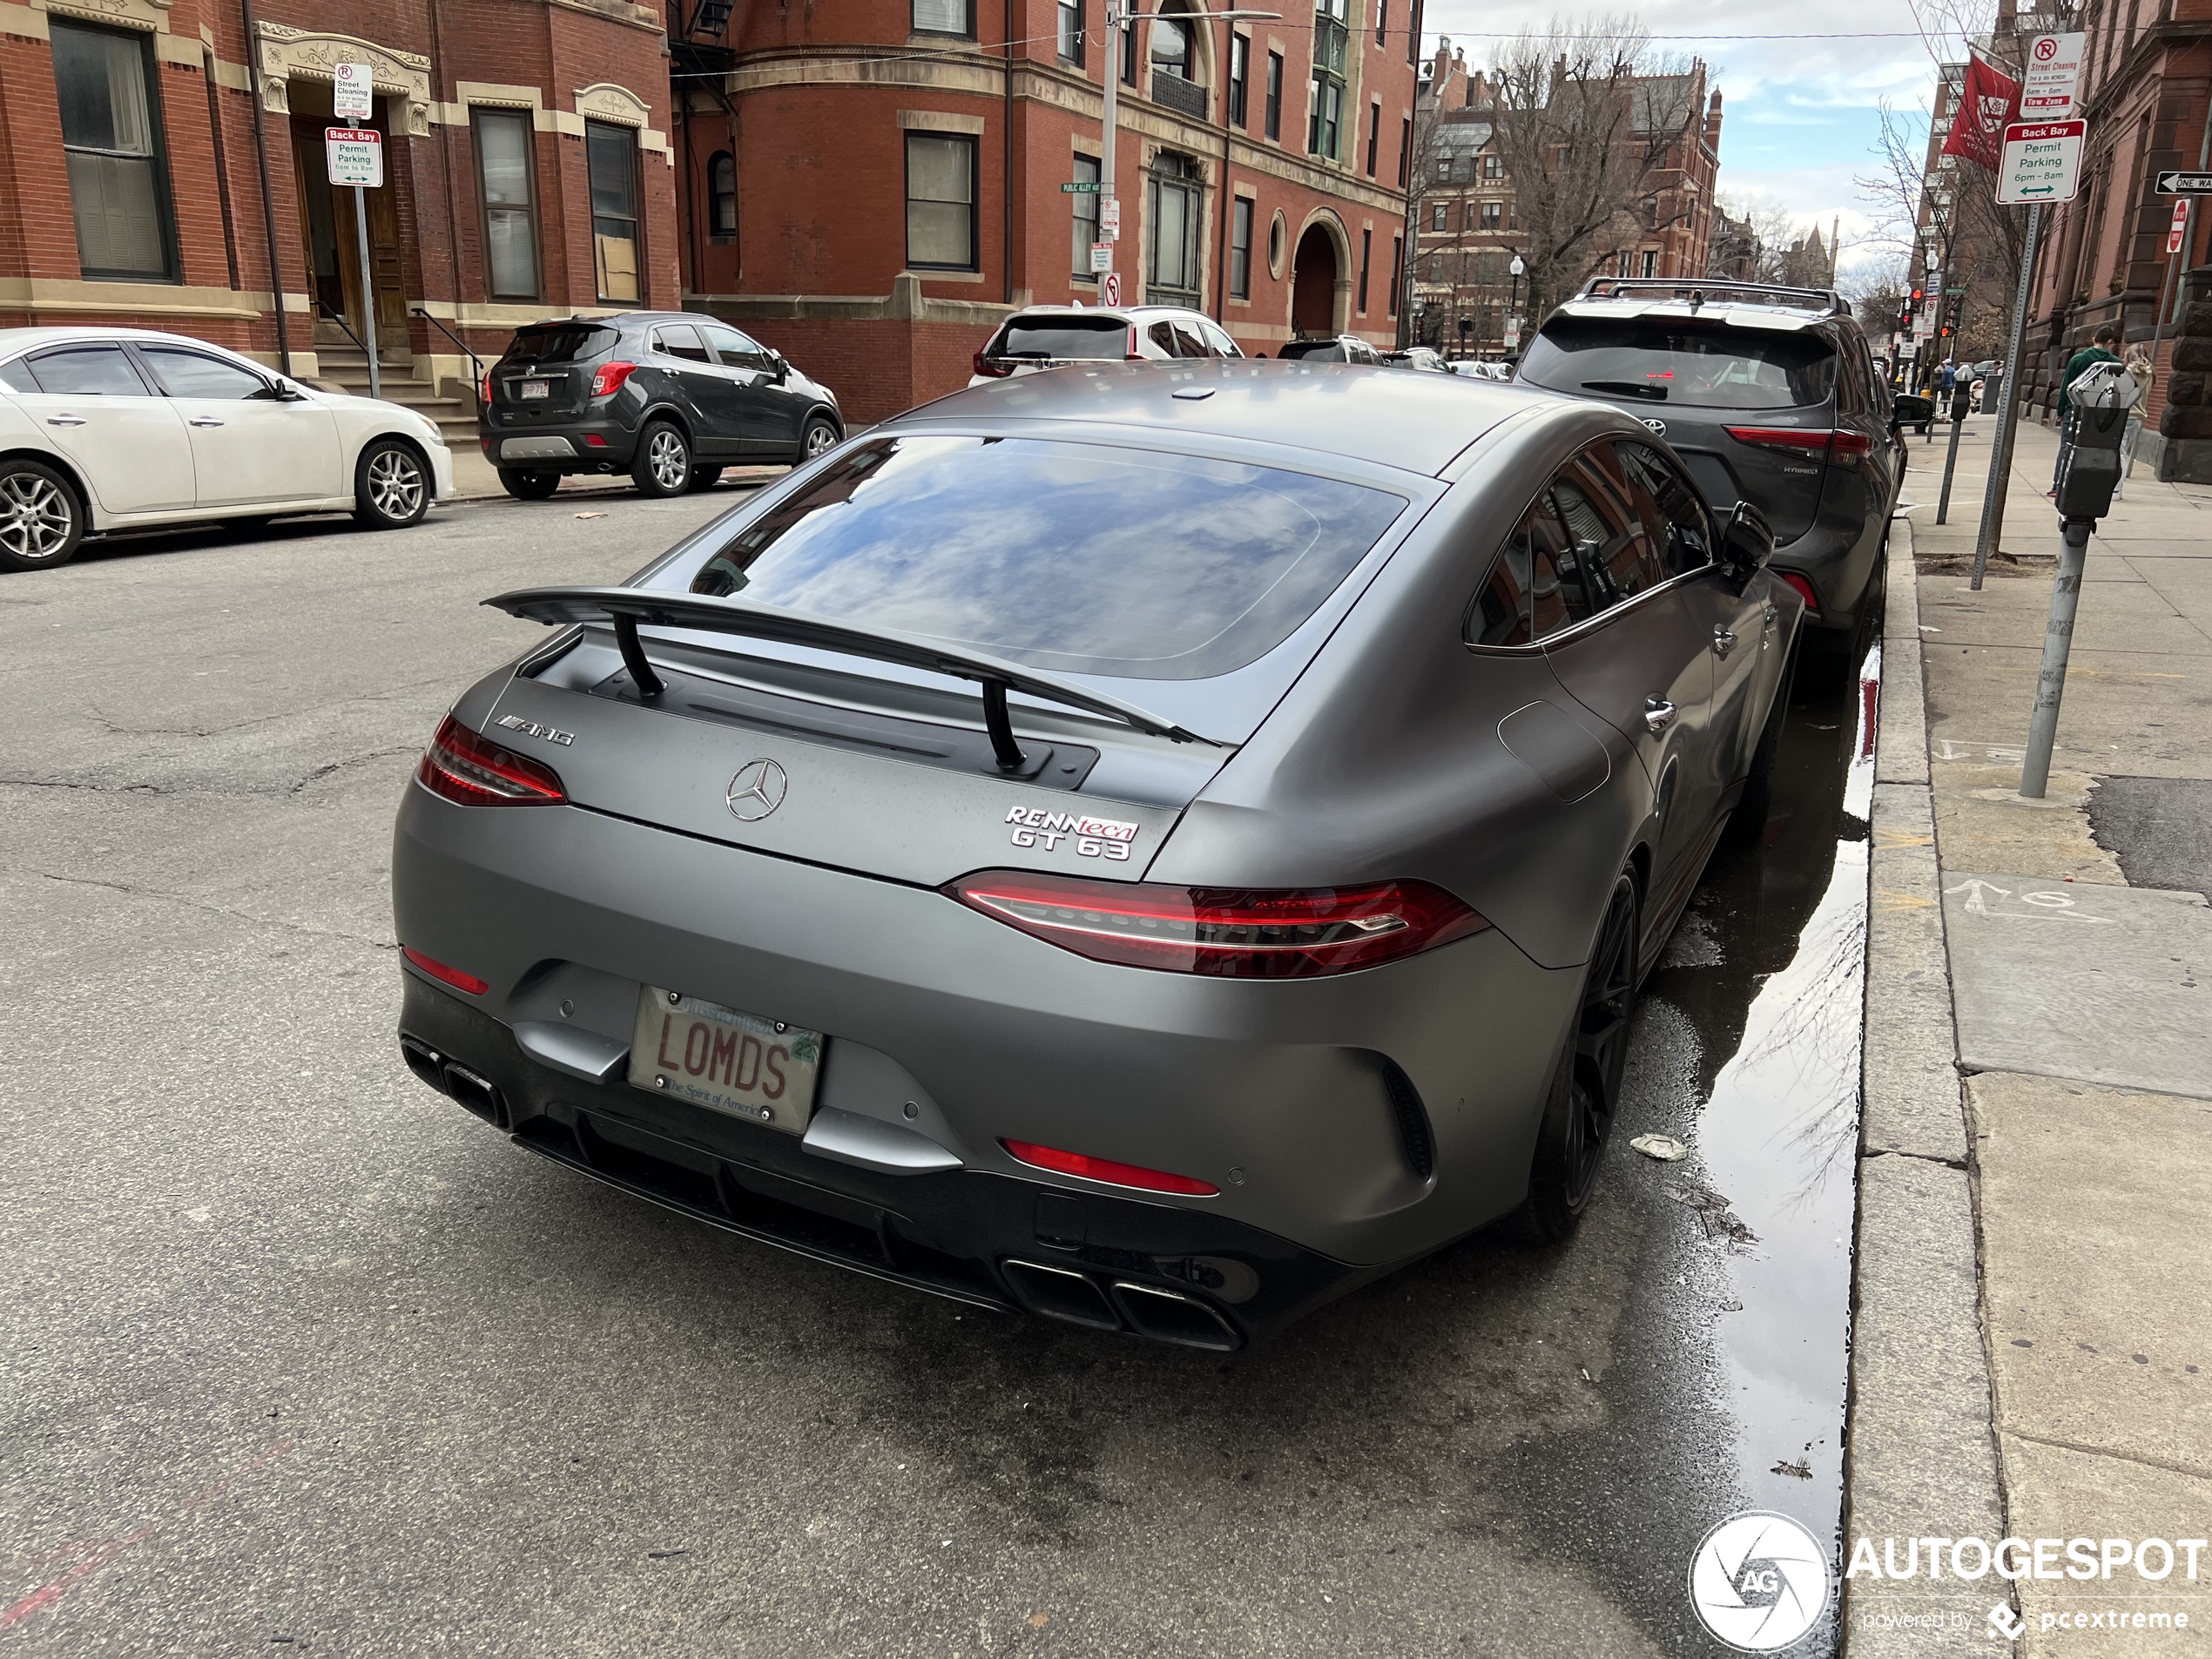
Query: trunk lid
[
  {"x": 1779, "y": 472},
  {"x": 547, "y": 372}
]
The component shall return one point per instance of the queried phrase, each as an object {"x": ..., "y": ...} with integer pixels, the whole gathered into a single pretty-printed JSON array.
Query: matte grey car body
[{"x": 1341, "y": 1124}]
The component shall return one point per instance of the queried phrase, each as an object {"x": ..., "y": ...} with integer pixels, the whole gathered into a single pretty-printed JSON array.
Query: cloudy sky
[{"x": 1800, "y": 113}]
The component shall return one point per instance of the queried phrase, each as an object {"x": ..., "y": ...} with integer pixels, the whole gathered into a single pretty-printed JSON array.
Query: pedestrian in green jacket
[{"x": 2099, "y": 350}]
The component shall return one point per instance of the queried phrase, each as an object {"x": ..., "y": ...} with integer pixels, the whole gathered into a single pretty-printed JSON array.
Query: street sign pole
[
  {"x": 2001, "y": 450},
  {"x": 368, "y": 285},
  {"x": 1109, "y": 204}
]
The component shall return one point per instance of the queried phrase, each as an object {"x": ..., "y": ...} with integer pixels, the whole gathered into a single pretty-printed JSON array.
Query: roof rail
[{"x": 1712, "y": 290}]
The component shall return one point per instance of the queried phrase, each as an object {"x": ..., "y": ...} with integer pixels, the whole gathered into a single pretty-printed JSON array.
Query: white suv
[{"x": 1047, "y": 336}]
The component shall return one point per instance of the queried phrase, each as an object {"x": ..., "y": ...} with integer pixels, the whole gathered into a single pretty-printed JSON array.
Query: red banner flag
[{"x": 1989, "y": 101}]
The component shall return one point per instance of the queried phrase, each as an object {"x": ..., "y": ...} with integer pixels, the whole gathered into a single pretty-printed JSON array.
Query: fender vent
[{"x": 1412, "y": 1119}]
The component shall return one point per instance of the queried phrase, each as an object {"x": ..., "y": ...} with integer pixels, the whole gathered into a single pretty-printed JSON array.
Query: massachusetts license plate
[
  {"x": 537, "y": 389},
  {"x": 724, "y": 1060}
]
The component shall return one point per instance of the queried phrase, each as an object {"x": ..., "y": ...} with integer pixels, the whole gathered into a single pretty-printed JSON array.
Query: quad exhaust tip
[
  {"x": 1150, "y": 1311},
  {"x": 455, "y": 1080}
]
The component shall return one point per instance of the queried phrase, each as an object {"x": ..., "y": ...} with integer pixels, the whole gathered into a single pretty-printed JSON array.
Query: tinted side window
[
  {"x": 1632, "y": 561},
  {"x": 1557, "y": 597},
  {"x": 189, "y": 374},
  {"x": 88, "y": 371},
  {"x": 680, "y": 340},
  {"x": 1162, "y": 335},
  {"x": 1189, "y": 342},
  {"x": 738, "y": 350},
  {"x": 1500, "y": 613},
  {"x": 1223, "y": 346},
  {"x": 1685, "y": 538},
  {"x": 16, "y": 375}
]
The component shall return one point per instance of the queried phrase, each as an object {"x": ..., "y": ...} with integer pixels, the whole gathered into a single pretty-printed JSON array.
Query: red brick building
[
  {"x": 157, "y": 155},
  {"x": 870, "y": 185}
]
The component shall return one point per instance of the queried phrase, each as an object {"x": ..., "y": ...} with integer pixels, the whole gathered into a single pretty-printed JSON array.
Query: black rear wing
[{"x": 626, "y": 608}]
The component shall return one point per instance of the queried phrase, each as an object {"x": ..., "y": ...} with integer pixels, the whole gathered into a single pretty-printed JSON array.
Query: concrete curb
[{"x": 1921, "y": 1447}]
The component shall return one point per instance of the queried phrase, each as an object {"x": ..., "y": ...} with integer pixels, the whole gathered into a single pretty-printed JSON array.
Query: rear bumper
[
  {"x": 1350, "y": 1124},
  {"x": 575, "y": 446},
  {"x": 1829, "y": 558}
]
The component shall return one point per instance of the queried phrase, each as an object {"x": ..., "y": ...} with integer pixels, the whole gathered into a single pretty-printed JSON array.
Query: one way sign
[{"x": 2185, "y": 184}]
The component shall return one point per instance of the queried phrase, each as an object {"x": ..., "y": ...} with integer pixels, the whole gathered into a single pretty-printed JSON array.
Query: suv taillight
[
  {"x": 463, "y": 767},
  {"x": 609, "y": 379},
  {"x": 985, "y": 364},
  {"x": 1300, "y": 932},
  {"x": 1130, "y": 353},
  {"x": 1811, "y": 441}
]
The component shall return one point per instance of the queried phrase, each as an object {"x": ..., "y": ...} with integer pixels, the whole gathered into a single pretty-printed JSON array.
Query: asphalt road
[{"x": 295, "y": 1354}]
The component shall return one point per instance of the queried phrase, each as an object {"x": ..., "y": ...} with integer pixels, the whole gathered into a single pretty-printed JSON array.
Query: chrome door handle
[
  {"x": 64, "y": 420},
  {"x": 1724, "y": 641},
  {"x": 1658, "y": 713},
  {"x": 203, "y": 420}
]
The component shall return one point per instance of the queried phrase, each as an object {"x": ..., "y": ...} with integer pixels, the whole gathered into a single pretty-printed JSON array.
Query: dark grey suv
[
  {"x": 1769, "y": 395},
  {"x": 669, "y": 397}
]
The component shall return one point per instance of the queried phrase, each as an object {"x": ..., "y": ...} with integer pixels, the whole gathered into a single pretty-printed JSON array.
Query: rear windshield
[
  {"x": 1319, "y": 351},
  {"x": 1064, "y": 337},
  {"x": 1675, "y": 360},
  {"x": 1071, "y": 557},
  {"x": 572, "y": 345}
]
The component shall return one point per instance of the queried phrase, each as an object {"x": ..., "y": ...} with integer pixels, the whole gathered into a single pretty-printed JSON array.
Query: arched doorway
[{"x": 1313, "y": 284}]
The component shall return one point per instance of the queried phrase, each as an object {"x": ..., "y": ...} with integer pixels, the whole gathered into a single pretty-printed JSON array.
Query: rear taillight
[
  {"x": 463, "y": 767},
  {"x": 438, "y": 970},
  {"x": 1804, "y": 588},
  {"x": 1121, "y": 1175},
  {"x": 1299, "y": 934},
  {"x": 1809, "y": 441},
  {"x": 989, "y": 365},
  {"x": 1130, "y": 353},
  {"x": 484, "y": 389},
  {"x": 610, "y": 378}
]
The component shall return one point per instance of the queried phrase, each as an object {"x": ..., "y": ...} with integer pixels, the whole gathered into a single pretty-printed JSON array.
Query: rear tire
[
  {"x": 1746, "y": 823},
  {"x": 391, "y": 485},
  {"x": 664, "y": 464},
  {"x": 1585, "y": 1095},
  {"x": 705, "y": 478},
  {"x": 528, "y": 483},
  {"x": 42, "y": 523}
]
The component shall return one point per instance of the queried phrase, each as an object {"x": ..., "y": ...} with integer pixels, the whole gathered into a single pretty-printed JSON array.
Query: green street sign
[
  {"x": 1081, "y": 187},
  {"x": 1955, "y": 291}
]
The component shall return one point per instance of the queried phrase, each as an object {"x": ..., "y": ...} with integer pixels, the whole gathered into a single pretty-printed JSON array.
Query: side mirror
[
  {"x": 1910, "y": 410},
  {"x": 1748, "y": 542},
  {"x": 779, "y": 368}
]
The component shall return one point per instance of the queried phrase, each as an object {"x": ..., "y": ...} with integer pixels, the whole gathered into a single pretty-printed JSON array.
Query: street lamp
[{"x": 1519, "y": 270}]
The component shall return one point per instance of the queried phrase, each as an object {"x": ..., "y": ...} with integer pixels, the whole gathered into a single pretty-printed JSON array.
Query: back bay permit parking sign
[{"x": 355, "y": 156}]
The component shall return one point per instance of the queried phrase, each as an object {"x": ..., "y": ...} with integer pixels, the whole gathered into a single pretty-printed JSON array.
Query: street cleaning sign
[
  {"x": 355, "y": 156},
  {"x": 2053, "y": 71},
  {"x": 352, "y": 91},
  {"x": 2041, "y": 162}
]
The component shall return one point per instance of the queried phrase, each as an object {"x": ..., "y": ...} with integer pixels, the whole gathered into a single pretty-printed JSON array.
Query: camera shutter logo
[
  {"x": 1758, "y": 1581},
  {"x": 756, "y": 791}
]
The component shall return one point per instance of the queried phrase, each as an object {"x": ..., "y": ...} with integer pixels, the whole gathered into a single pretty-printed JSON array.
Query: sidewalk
[
  {"x": 2034, "y": 1344},
  {"x": 476, "y": 479}
]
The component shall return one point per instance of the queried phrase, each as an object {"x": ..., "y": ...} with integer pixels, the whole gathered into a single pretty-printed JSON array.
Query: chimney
[{"x": 1713, "y": 123}]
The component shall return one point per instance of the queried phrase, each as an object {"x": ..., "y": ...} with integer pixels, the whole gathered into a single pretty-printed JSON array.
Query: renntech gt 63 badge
[{"x": 1094, "y": 838}]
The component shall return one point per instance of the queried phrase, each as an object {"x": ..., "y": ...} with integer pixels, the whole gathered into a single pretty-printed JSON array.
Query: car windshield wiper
[
  {"x": 1633, "y": 388},
  {"x": 627, "y": 607}
]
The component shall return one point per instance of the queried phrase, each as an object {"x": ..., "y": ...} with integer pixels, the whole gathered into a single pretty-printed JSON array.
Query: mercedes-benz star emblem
[{"x": 756, "y": 791}]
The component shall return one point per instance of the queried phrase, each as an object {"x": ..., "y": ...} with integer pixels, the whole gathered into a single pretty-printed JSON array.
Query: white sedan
[{"x": 115, "y": 428}]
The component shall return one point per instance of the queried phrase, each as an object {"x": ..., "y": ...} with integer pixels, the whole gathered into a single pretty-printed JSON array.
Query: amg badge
[
  {"x": 532, "y": 729},
  {"x": 1095, "y": 837}
]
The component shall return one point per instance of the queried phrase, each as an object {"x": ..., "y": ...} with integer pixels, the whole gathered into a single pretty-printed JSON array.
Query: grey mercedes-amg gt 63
[{"x": 1156, "y": 846}]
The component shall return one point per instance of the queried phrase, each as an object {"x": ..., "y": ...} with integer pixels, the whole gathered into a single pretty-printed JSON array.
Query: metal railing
[
  {"x": 1185, "y": 98},
  {"x": 339, "y": 317},
  {"x": 475, "y": 385}
]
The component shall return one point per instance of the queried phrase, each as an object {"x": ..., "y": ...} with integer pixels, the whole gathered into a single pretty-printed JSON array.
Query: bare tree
[{"x": 1581, "y": 139}]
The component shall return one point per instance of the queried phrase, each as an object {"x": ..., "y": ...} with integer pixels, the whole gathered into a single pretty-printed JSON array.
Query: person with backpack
[{"x": 2099, "y": 350}]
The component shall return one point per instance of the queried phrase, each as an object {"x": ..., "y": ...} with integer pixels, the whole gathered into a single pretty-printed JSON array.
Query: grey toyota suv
[{"x": 1769, "y": 394}]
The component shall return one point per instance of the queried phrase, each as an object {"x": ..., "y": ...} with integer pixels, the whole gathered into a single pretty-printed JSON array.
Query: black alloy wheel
[
  {"x": 818, "y": 437},
  {"x": 664, "y": 463},
  {"x": 705, "y": 478},
  {"x": 528, "y": 483},
  {"x": 41, "y": 524},
  {"x": 1585, "y": 1095},
  {"x": 391, "y": 485}
]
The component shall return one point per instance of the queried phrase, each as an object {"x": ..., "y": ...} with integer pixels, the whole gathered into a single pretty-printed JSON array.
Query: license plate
[
  {"x": 537, "y": 389},
  {"x": 724, "y": 1060}
]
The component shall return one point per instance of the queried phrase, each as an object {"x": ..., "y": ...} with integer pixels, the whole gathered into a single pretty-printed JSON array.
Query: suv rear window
[
  {"x": 568, "y": 345},
  {"x": 1072, "y": 558},
  {"x": 1315, "y": 351},
  {"x": 1682, "y": 362},
  {"x": 1082, "y": 338}
]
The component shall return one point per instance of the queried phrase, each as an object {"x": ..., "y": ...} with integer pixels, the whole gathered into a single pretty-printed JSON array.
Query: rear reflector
[
  {"x": 1120, "y": 1175},
  {"x": 1804, "y": 588},
  {"x": 1299, "y": 934},
  {"x": 438, "y": 970},
  {"x": 463, "y": 767}
]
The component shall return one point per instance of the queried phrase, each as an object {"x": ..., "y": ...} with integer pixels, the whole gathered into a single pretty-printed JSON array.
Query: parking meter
[{"x": 2091, "y": 469}]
